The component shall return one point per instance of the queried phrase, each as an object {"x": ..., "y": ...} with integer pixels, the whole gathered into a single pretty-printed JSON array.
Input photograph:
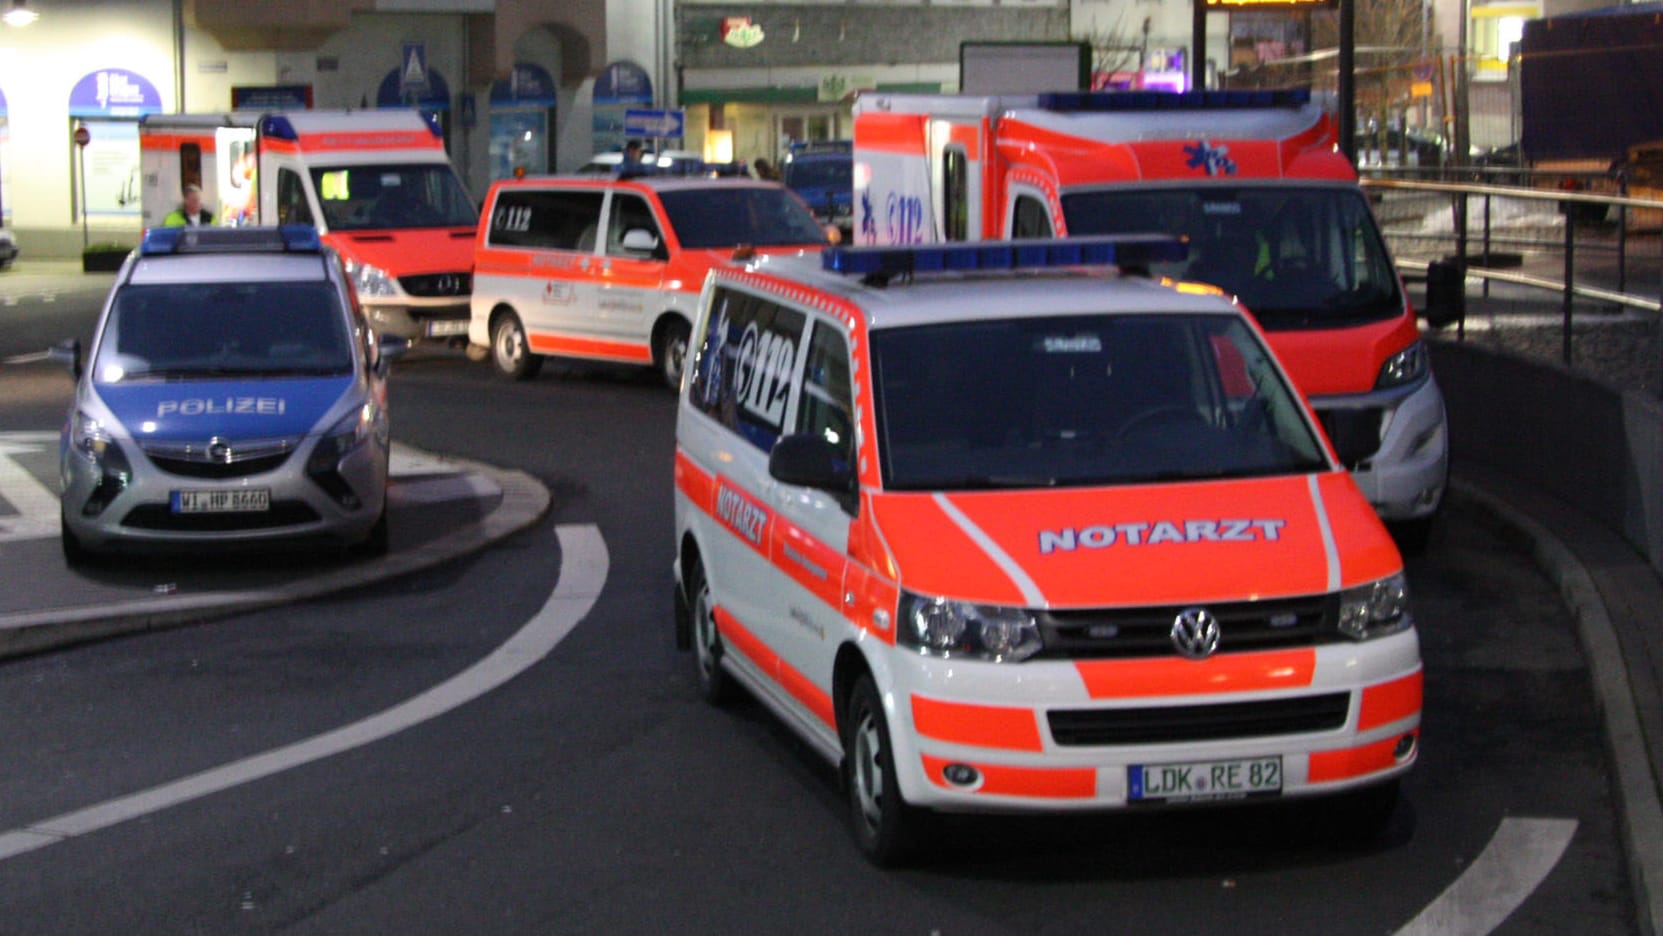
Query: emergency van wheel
[
  {"x": 670, "y": 352},
  {"x": 509, "y": 353},
  {"x": 883, "y": 822},
  {"x": 715, "y": 685}
]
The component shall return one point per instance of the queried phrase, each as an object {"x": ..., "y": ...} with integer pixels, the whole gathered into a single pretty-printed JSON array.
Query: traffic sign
[
  {"x": 412, "y": 73},
  {"x": 656, "y": 124},
  {"x": 82, "y": 136}
]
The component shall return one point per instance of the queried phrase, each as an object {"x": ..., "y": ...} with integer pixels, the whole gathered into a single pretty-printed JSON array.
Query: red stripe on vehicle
[
  {"x": 1033, "y": 782},
  {"x": 590, "y": 348},
  {"x": 1328, "y": 766},
  {"x": 1389, "y": 702},
  {"x": 808, "y": 561},
  {"x": 699, "y": 485},
  {"x": 1011, "y": 729},
  {"x": 801, "y": 688},
  {"x": 1237, "y": 672}
]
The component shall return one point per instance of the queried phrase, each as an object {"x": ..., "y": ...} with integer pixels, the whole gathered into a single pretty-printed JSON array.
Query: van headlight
[
  {"x": 945, "y": 628},
  {"x": 1376, "y": 609},
  {"x": 1404, "y": 367},
  {"x": 370, "y": 281}
]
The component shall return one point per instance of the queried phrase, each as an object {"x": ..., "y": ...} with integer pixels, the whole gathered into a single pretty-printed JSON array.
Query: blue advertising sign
[
  {"x": 435, "y": 98},
  {"x": 528, "y": 85},
  {"x": 657, "y": 124},
  {"x": 623, "y": 83},
  {"x": 114, "y": 92},
  {"x": 271, "y": 97}
]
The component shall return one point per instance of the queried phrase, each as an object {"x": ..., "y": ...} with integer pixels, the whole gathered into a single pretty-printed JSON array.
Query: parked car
[
  {"x": 234, "y": 396},
  {"x": 1393, "y": 147},
  {"x": 823, "y": 174}
]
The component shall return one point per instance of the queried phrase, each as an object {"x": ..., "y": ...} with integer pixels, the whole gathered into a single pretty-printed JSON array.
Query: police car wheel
[
  {"x": 671, "y": 353},
  {"x": 884, "y": 825},
  {"x": 509, "y": 353},
  {"x": 715, "y": 685}
]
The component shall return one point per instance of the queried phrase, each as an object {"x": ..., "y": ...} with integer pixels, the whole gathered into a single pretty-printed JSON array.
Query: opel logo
[
  {"x": 1195, "y": 633},
  {"x": 219, "y": 451}
]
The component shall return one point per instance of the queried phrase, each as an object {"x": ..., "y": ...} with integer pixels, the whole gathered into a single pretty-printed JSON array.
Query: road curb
[
  {"x": 1638, "y": 803},
  {"x": 524, "y": 501}
]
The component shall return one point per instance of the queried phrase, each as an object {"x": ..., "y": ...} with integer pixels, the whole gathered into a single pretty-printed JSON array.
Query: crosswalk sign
[{"x": 412, "y": 72}]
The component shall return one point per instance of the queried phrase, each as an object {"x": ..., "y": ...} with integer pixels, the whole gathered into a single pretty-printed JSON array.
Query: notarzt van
[
  {"x": 609, "y": 269},
  {"x": 1032, "y": 539}
]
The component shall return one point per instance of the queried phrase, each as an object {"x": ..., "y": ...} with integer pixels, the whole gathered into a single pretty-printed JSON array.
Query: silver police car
[{"x": 234, "y": 395}]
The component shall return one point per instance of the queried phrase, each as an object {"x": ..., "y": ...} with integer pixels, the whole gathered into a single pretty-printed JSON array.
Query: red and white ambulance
[
  {"x": 377, "y": 184},
  {"x": 1272, "y": 210},
  {"x": 996, "y": 536}
]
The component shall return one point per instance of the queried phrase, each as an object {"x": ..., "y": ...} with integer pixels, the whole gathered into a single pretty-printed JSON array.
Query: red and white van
[
  {"x": 1272, "y": 210},
  {"x": 377, "y": 185},
  {"x": 996, "y": 537}
]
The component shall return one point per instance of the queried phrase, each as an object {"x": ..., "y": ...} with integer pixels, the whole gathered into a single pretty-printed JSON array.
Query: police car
[
  {"x": 998, "y": 527},
  {"x": 234, "y": 394}
]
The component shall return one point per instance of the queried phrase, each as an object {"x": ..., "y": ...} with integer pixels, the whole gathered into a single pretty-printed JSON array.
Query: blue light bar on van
[
  {"x": 1126, "y": 250},
  {"x": 290, "y": 238},
  {"x": 1170, "y": 101},
  {"x": 275, "y": 127}
]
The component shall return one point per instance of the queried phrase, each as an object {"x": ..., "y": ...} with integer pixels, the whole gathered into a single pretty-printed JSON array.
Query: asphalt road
[{"x": 591, "y": 792}]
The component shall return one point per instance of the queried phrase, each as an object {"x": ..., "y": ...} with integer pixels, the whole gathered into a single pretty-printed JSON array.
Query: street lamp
[{"x": 20, "y": 15}]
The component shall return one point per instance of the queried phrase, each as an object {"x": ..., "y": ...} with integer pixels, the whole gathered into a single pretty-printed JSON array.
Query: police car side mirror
[
  {"x": 808, "y": 460},
  {"x": 67, "y": 353},
  {"x": 1446, "y": 293}
]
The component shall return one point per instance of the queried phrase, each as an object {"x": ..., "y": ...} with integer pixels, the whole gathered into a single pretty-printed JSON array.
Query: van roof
[{"x": 658, "y": 183}]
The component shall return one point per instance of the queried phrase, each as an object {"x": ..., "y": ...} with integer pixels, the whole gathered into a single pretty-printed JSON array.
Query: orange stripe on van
[
  {"x": 344, "y": 140},
  {"x": 801, "y": 687},
  {"x": 1011, "y": 729},
  {"x": 698, "y": 484},
  {"x": 892, "y": 133},
  {"x": 1389, "y": 702},
  {"x": 1035, "y": 782},
  {"x": 173, "y": 141},
  {"x": 590, "y": 348},
  {"x": 1237, "y": 672},
  {"x": 1328, "y": 766}
]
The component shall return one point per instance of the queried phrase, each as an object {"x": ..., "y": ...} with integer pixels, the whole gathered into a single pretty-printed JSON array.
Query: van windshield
[
  {"x": 723, "y": 216},
  {"x": 1296, "y": 256},
  {"x": 390, "y": 197},
  {"x": 211, "y": 331},
  {"x": 1084, "y": 400}
]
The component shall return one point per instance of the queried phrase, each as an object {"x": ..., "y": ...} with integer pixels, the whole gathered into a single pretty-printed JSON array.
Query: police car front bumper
[{"x": 991, "y": 737}]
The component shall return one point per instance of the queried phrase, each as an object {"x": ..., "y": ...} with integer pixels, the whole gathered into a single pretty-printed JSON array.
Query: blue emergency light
[
  {"x": 1125, "y": 250},
  {"x": 1170, "y": 101},
  {"x": 289, "y": 238}
]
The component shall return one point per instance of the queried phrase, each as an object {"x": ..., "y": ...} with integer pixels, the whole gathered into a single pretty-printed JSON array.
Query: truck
[
  {"x": 377, "y": 185},
  {"x": 1272, "y": 210}
]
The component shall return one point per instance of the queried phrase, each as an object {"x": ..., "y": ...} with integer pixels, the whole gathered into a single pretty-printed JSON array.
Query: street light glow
[{"x": 19, "y": 15}]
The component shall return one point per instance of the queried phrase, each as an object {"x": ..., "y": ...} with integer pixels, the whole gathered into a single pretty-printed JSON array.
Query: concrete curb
[
  {"x": 524, "y": 501},
  {"x": 1638, "y": 803}
]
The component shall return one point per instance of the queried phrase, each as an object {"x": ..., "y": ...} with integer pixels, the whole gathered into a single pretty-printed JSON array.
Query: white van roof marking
[{"x": 1329, "y": 549}]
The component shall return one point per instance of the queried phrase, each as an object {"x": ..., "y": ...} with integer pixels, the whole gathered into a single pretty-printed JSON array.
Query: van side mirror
[
  {"x": 1446, "y": 293},
  {"x": 67, "y": 353},
  {"x": 808, "y": 460},
  {"x": 639, "y": 239}
]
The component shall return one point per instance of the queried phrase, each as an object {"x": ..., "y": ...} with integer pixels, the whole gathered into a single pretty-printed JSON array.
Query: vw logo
[
  {"x": 219, "y": 451},
  {"x": 1195, "y": 633}
]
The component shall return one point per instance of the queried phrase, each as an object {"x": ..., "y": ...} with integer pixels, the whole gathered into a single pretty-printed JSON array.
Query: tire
[
  {"x": 885, "y": 827},
  {"x": 670, "y": 351},
  {"x": 510, "y": 356},
  {"x": 715, "y": 685}
]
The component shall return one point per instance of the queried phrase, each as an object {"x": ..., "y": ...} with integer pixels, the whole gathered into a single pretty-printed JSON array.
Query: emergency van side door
[
  {"x": 956, "y": 158},
  {"x": 540, "y": 260},
  {"x": 633, "y": 271}
]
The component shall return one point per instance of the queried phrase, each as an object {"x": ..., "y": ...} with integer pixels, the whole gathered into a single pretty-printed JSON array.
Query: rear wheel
[
  {"x": 510, "y": 354},
  {"x": 884, "y": 825},
  {"x": 670, "y": 351}
]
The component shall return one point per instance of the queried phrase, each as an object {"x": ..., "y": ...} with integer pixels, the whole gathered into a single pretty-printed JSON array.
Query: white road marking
[
  {"x": 1519, "y": 857},
  {"x": 33, "y": 358},
  {"x": 583, "y": 568},
  {"x": 36, "y": 505}
]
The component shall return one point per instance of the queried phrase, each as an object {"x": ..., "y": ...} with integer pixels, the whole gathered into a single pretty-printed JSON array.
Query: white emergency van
[
  {"x": 995, "y": 527},
  {"x": 377, "y": 185}
]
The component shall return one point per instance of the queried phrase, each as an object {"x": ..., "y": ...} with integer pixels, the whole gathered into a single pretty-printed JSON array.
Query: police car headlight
[
  {"x": 88, "y": 436},
  {"x": 1376, "y": 609},
  {"x": 370, "y": 281},
  {"x": 955, "y": 628},
  {"x": 1406, "y": 366}
]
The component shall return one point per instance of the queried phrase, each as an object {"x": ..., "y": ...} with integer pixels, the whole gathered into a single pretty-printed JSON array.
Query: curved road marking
[
  {"x": 1516, "y": 861},
  {"x": 583, "y": 567}
]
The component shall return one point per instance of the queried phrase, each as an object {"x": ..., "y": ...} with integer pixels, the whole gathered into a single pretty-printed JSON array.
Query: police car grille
[
  {"x": 434, "y": 285},
  {"x": 1147, "y": 632},
  {"x": 159, "y": 517},
  {"x": 194, "y": 460},
  {"x": 1173, "y": 724}
]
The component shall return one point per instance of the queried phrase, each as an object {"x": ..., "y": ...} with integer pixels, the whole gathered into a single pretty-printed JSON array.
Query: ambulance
[
  {"x": 1004, "y": 527},
  {"x": 377, "y": 185},
  {"x": 1272, "y": 210}
]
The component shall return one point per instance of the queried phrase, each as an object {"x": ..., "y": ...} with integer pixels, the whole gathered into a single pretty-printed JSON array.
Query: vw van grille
[
  {"x": 437, "y": 285},
  {"x": 214, "y": 459},
  {"x": 1147, "y": 632},
  {"x": 1180, "y": 723},
  {"x": 159, "y": 517}
]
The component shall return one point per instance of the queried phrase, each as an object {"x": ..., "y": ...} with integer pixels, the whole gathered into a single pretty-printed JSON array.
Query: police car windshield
[
  {"x": 724, "y": 216},
  {"x": 1083, "y": 400},
  {"x": 373, "y": 198},
  {"x": 209, "y": 331},
  {"x": 1297, "y": 257}
]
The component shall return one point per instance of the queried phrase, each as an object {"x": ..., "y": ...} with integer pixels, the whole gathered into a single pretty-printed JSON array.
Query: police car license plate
[
  {"x": 252, "y": 500},
  {"x": 1225, "y": 779},
  {"x": 448, "y": 327}
]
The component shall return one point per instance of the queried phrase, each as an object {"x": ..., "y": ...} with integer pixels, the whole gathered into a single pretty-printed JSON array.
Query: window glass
[
  {"x": 548, "y": 219},
  {"x": 826, "y": 406},
  {"x": 392, "y": 197},
  {"x": 632, "y": 213},
  {"x": 1031, "y": 218},
  {"x": 745, "y": 365},
  {"x": 725, "y": 216},
  {"x": 291, "y": 199},
  {"x": 955, "y": 188}
]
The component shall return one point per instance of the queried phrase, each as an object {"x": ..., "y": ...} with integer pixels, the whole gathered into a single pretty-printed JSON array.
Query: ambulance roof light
[
  {"x": 278, "y": 127},
  {"x": 290, "y": 238},
  {"x": 877, "y": 264},
  {"x": 1170, "y": 101}
]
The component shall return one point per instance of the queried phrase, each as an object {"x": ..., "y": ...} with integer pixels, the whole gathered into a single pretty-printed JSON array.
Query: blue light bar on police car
[
  {"x": 1171, "y": 101},
  {"x": 1126, "y": 250},
  {"x": 292, "y": 238}
]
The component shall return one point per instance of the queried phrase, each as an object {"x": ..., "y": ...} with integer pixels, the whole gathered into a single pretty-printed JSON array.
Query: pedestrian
[
  {"x": 190, "y": 212},
  {"x": 766, "y": 170},
  {"x": 632, "y": 152}
]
